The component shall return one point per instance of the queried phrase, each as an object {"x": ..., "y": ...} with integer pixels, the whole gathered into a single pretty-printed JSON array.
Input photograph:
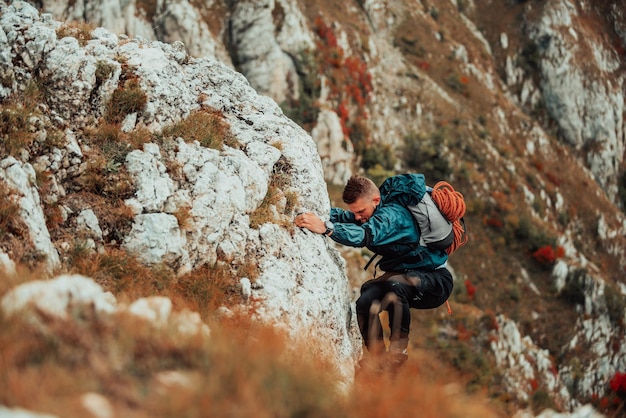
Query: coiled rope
[{"x": 452, "y": 205}]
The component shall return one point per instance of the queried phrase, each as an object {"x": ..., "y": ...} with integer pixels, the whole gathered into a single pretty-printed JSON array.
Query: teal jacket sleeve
[
  {"x": 341, "y": 215},
  {"x": 389, "y": 224}
]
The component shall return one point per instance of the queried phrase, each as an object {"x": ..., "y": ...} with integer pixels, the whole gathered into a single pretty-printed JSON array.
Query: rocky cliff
[
  {"x": 519, "y": 105},
  {"x": 237, "y": 198}
]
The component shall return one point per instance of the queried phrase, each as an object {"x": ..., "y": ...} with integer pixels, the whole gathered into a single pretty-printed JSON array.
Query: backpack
[{"x": 438, "y": 211}]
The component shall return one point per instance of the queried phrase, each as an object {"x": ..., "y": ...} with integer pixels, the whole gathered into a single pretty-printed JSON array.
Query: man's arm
[
  {"x": 385, "y": 227},
  {"x": 341, "y": 215},
  {"x": 310, "y": 221},
  {"x": 314, "y": 223},
  {"x": 389, "y": 224}
]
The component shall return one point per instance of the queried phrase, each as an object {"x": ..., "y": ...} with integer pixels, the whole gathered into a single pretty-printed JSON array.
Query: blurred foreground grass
[{"x": 241, "y": 369}]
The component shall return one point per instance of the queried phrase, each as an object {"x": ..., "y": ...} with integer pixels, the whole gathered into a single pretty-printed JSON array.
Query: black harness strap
[{"x": 370, "y": 262}]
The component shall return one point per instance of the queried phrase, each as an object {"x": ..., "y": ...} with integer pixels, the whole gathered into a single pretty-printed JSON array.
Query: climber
[{"x": 414, "y": 276}]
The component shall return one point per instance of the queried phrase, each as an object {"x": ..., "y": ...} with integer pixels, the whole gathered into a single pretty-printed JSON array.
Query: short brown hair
[{"x": 357, "y": 187}]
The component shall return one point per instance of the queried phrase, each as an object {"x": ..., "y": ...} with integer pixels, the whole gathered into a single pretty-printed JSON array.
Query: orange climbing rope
[{"x": 452, "y": 205}]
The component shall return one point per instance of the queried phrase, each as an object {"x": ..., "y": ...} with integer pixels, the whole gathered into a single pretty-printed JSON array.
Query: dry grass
[
  {"x": 77, "y": 29},
  {"x": 17, "y": 116},
  {"x": 10, "y": 221},
  {"x": 106, "y": 177},
  {"x": 114, "y": 216},
  {"x": 207, "y": 126},
  {"x": 239, "y": 371},
  {"x": 24, "y": 123},
  {"x": 205, "y": 289},
  {"x": 117, "y": 271},
  {"x": 243, "y": 369},
  {"x": 184, "y": 217},
  {"x": 14, "y": 129},
  {"x": 265, "y": 213},
  {"x": 127, "y": 98},
  {"x": 279, "y": 202},
  {"x": 202, "y": 290},
  {"x": 106, "y": 174}
]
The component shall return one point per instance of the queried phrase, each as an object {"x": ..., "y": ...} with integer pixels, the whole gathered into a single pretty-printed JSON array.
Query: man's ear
[{"x": 376, "y": 200}]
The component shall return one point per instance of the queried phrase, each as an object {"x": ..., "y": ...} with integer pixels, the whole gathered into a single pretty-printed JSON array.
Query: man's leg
[
  {"x": 367, "y": 309},
  {"x": 432, "y": 288},
  {"x": 396, "y": 303}
]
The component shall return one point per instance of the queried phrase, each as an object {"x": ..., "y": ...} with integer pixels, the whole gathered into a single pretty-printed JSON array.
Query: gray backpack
[
  {"x": 438, "y": 210},
  {"x": 436, "y": 230}
]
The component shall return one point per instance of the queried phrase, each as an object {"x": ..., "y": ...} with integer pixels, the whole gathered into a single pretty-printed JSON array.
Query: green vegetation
[
  {"x": 379, "y": 154},
  {"x": 104, "y": 70},
  {"x": 574, "y": 289},
  {"x": 14, "y": 128},
  {"x": 425, "y": 154},
  {"x": 305, "y": 109},
  {"x": 378, "y": 174},
  {"x": 458, "y": 83},
  {"x": 465, "y": 350},
  {"x": 348, "y": 83},
  {"x": 529, "y": 59},
  {"x": 615, "y": 305},
  {"x": 621, "y": 194},
  {"x": 10, "y": 220},
  {"x": 540, "y": 400}
]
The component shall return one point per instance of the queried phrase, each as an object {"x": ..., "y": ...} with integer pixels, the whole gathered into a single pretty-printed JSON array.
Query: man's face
[{"x": 364, "y": 207}]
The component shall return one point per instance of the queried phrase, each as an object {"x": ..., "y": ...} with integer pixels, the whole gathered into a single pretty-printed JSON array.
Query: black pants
[{"x": 396, "y": 293}]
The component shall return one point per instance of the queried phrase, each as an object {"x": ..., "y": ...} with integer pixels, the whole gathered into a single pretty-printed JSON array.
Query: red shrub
[
  {"x": 349, "y": 81},
  {"x": 618, "y": 384},
  {"x": 534, "y": 384},
  {"x": 547, "y": 255},
  {"x": 325, "y": 33},
  {"x": 559, "y": 252},
  {"x": 471, "y": 290},
  {"x": 462, "y": 333},
  {"x": 604, "y": 402},
  {"x": 494, "y": 222},
  {"x": 553, "y": 178}
]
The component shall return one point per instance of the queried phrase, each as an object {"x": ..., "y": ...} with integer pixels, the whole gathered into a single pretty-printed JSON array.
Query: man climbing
[{"x": 414, "y": 275}]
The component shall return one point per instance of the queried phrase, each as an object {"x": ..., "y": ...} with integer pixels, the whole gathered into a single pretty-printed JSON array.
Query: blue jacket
[{"x": 392, "y": 231}]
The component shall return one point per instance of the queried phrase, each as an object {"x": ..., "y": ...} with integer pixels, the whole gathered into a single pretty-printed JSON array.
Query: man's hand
[{"x": 310, "y": 221}]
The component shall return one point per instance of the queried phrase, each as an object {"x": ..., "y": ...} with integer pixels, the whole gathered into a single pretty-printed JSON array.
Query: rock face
[
  {"x": 167, "y": 21},
  {"x": 574, "y": 94},
  {"x": 301, "y": 277},
  {"x": 267, "y": 36},
  {"x": 20, "y": 176},
  {"x": 523, "y": 101},
  {"x": 267, "y": 40}
]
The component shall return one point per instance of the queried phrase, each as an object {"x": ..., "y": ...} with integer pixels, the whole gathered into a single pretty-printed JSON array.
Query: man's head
[{"x": 362, "y": 196}]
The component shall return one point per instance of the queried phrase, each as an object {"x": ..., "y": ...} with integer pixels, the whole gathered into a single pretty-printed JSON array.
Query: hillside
[{"x": 519, "y": 104}]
